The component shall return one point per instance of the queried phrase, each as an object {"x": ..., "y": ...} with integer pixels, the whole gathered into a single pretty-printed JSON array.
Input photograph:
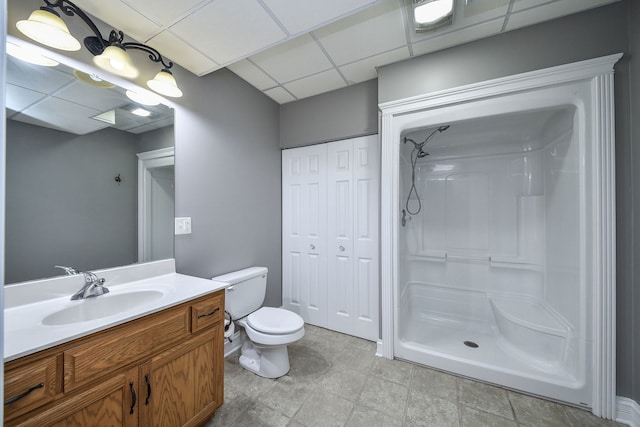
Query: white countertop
[{"x": 25, "y": 333}]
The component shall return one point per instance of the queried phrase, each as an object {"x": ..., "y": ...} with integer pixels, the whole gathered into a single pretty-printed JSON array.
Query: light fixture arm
[
  {"x": 96, "y": 45},
  {"x": 70, "y": 9}
]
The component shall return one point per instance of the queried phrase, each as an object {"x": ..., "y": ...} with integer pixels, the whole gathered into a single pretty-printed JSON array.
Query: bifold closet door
[
  {"x": 304, "y": 227},
  {"x": 352, "y": 236}
]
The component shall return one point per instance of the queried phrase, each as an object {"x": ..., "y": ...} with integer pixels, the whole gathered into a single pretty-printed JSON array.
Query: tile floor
[{"x": 336, "y": 380}]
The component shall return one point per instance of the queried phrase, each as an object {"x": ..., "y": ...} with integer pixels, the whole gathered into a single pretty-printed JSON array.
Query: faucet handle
[
  {"x": 69, "y": 270},
  {"x": 90, "y": 277}
]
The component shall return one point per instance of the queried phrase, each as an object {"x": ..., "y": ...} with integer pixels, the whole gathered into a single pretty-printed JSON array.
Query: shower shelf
[{"x": 494, "y": 261}]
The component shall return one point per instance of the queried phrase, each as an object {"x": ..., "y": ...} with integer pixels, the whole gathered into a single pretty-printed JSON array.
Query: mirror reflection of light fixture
[
  {"x": 45, "y": 26},
  {"x": 92, "y": 80},
  {"x": 431, "y": 14},
  {"x": 141, "y": 112},
  {"x": 144, "y": 98},
  {"x": 29, "y": 55}
]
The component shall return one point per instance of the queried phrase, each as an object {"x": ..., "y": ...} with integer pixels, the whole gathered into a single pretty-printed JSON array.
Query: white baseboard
[
  {"x": 627, "y": 411},
  {"x": 379, "y": 348}
]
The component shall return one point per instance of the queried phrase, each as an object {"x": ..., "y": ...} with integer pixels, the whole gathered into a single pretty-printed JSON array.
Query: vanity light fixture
[
  {"x": 92, "y": 80},
  {"x": 45, "y": 26},
  {"x": 431, "y": 14}
]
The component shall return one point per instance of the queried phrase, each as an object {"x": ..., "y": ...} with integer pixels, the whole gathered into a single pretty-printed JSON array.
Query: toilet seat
[{"x": 275, "y": 321}]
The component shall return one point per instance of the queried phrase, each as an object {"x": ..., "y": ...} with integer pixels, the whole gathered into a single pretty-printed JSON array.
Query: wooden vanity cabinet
[{"x": 165, "y": 369}]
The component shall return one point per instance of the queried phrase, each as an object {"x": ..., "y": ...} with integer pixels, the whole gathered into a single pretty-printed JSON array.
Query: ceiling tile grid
[{"x": 294, "y": 49}]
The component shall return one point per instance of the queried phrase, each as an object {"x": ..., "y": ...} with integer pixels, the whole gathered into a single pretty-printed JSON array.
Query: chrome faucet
[{"x": 93, "y": 286}]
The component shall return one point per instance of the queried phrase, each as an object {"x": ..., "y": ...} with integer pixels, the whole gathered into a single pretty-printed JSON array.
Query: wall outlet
[{"x": 183, "y": 225}]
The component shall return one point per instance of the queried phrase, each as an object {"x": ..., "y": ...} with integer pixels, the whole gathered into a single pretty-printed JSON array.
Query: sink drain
[{"x": 471, "y": 344}]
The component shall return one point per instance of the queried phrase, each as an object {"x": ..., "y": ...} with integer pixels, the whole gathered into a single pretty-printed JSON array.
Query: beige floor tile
[
  {"x": 485, "y": 397},
  {"x": 355, "y": 358},
  {"x": 259, "y": 415},
  {"x": 384, "y": 395},
  {"x": 393, "y": 370},
  {"x": 286, "y": 396},
  {"x": 347, "y": 384},
  {"x": 251, "y": 384},
  {"x": 363, "y": 416},
  {"x": 427, "y": 410},
  {"x": 474, "y": 418},
  {"x": 435, "y": 383},
  {"x": 531, "y": 411},
  {"x": 584, "y": 418},
  {"x": 235, "y": 404},
  {"x": 324, "y": 409}
]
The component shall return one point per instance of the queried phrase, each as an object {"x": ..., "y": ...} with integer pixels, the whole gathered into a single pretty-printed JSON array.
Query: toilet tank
[{"x": 246, "y": 291}]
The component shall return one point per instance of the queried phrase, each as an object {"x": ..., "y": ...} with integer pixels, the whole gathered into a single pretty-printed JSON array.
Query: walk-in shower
[
  {"x": 504, "y": 269},
  {"x": 489, "y": 265}
]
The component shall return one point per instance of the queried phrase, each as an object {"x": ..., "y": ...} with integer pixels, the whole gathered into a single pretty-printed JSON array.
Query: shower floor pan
[{"x": 499, "y": 339}]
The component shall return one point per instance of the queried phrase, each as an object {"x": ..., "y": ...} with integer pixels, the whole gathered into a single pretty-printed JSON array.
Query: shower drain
[{"x": 471, "y": 344}]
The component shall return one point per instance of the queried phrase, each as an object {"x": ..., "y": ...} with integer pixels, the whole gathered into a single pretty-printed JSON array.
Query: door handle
[
  {"x": 341, "y": 248},
  {"x": 312, "y": 246}
]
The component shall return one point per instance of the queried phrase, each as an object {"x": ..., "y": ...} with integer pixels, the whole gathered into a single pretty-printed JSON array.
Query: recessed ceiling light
[
  {"x": 431, "y": 14},
  {"x": 141, "y": 112}
]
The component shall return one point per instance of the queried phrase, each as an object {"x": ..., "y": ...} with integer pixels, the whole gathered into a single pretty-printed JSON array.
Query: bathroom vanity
[{"x": 159, "y": 363}]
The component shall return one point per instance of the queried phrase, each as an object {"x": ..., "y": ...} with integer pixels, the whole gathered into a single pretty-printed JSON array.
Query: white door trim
[{"x": 148, "y": 160}]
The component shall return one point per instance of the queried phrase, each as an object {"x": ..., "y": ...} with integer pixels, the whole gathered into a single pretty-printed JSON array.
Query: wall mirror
[{"x": 73, "y": 193}]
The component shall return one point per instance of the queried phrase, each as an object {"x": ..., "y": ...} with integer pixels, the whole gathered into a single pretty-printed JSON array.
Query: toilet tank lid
[{"x": 241, "y": 275}]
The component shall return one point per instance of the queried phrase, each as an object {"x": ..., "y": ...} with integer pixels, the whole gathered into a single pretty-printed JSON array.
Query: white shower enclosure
[{"x": 507, "y": 272}]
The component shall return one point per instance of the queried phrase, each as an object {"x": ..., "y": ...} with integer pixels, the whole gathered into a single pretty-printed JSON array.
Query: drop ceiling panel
[
  {"x": 178, "y": 51},
  {"x": 551, "y": 11},
  {"x": 164, "y": 12},
  {"x": 454, "y": 38},
  {"x": 519, "y": 5},
  {"x": 18, "y": 98},
  {"x": 301, "y": 15},
  {"x": 365, "y": 69},
  {"x": 120, "y": 17},
  {"x": 318, "y": 83},
  {"x": 229, "y": 30},
  {"x": 69, "y": 117},
  {"x": 373, "y": 31},
  {"x": 91, "y": 96},
  {"x": 252, "y": 74},
  {"x": 292, "y": 60},
  {"x": 279, "y": 95},
  {"x": 34, "y": 77}
]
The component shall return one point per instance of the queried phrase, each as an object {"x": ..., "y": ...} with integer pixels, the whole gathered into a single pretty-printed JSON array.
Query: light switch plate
[{"x": 183, "y": 225}]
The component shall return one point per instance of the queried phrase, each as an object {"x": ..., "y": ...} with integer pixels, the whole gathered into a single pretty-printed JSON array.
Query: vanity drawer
[
  {"x": 29, "y": 386},
  {"x": 110, "y": 351},
  {"x": 208, "y": 312}
]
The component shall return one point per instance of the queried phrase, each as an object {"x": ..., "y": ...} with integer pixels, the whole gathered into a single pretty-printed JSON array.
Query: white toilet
[{"x": 267, "y": 330}]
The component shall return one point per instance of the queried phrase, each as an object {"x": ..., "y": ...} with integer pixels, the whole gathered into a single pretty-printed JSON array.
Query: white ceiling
[{"x": 293, "y": 49}]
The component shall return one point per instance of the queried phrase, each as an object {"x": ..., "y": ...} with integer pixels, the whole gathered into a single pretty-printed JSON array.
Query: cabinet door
[
  {"x": 352, "y": 189},
  {"x": 183, "y": 386},
  {"x": 112, "y": 403},
  {"x": 304, "y": 224}
]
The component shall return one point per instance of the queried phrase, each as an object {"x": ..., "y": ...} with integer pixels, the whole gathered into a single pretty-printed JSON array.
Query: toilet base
[{"x": 268, "y": 362}]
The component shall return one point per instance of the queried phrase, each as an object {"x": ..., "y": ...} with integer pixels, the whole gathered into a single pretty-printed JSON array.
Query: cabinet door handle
[
  {"x": 211, "y": 313},
  {"x": 25, "y": 394},
  {"x": 133, "y": 397},
  {"x": 148, "y": 381}
]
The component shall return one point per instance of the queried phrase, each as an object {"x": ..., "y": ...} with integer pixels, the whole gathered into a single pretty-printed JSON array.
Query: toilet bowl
[{"x": 265, "y": 331}]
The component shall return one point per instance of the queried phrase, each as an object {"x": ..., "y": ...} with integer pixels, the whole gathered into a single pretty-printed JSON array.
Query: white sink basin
[{"x": 101, "y": 306}]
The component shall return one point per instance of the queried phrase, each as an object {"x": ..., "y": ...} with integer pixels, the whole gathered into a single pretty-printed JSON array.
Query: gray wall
[
  {"x": 629, "y": 191},
  {"x": 228, "y": 178},
  {"x": 155, "y": 139},
  {"x": 339, "y": 114},
  {"x": 62, "y": 203}
]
